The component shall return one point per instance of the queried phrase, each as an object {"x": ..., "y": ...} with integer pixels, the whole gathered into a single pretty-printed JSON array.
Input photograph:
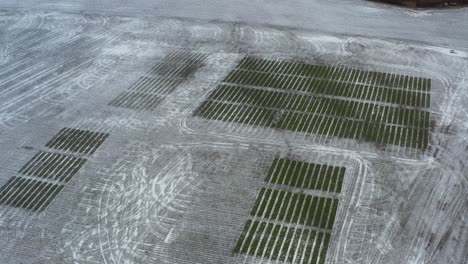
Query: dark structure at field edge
[{"x": 426, "y": 3}]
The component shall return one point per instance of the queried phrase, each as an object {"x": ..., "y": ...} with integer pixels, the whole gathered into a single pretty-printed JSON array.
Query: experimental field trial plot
[
  {"x": 149, "y": 90},
  {"x": 378, "y": 107},
  {"x": 290, "y": 225},
  {"x": 42, "y": 178},
  {"x": 178, "y": 141}
]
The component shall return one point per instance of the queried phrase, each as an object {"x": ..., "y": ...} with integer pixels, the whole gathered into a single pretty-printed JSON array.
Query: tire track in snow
[
  {"x": 44, "y": 78},
  {"x": 140, "y": 199}
]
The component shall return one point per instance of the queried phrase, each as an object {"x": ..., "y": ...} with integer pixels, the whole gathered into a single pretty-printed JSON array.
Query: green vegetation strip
[
  {"x": 53, "y": 166},
  {"x": 77, "y": 140},
  {"x": 179, "y": 64},
  {"x": 162, "y": 79},
  {"x": 283, "y": 243},
  {"x": 296, "y": 208},
  {"x": 341, "y": 74},
  {"x": 305, "y": 175},
  {"x": 302, "y": 103},
  {"x": 182, "y": 71},
  {"x": 137, "y": 100},
  {"x": 343, "y": 127},
  {"x": 28, "y": 194},
  {"x": 183, "y": 57},
  {"x": 155, "y": 85},
  {"x": 331, "y": 88},
  {"x": 293, "y": 98}
]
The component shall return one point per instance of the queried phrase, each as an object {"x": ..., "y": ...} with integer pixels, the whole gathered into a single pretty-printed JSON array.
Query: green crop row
[
  {"x": 300, "y": 174},
  {"x": 262, "y": 98},
  {"x": 28, "y": 193},
  {"x": 359, "y": 130},
  {"x": 321, "y": 105},
  {"x": 37, "y": 194},
  {"x": 296, "y": 208},
  {"x": 77, "y": 140},
  {"x": 53, "y": 166},
  {"x": 331, "y": 87},
  {"x": 162, "y": 86},
  {"x": 236, "y": 113},
  {"x": 163, "y": 78},
  {"x": 336, "y": 73},
  {"x": 137, "y": 101},
  {"x": 183, "y": 70},
  {"x": 183, "y": 57},
  {"x": 371, "y": 129},
  {"x": 283, "y": 243}
]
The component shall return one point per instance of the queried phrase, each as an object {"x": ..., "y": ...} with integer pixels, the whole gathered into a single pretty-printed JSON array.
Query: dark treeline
[{"x": 427, "y": 3}]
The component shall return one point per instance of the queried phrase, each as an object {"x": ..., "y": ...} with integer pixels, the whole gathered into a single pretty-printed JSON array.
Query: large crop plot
[
  {"x": 42, "y": 178},
  {"x": 383, "y": 108},
  {"x": 291, "y": 225},
  {"x": 149, "y": 90}
]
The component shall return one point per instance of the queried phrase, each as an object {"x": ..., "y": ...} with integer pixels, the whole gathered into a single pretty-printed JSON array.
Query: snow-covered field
[{"x": 167, "y": 187}]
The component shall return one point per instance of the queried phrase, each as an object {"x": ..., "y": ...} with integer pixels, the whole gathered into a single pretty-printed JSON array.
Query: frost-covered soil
[{"x": 166, "y": 187}]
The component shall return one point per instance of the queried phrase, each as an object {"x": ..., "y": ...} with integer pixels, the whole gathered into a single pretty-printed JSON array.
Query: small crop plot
[
  {"x": 28, "y": 194},
  {"x": 53, "y": 166},
  {"x": 43, "y": 176},
  {"x": 295, "y": 208},
  {"x": 137, "y": 101},
  {"x": 306, "y": 175},
  {"x": 179, "y": 64},
  {"x": 155, "y": 85},
  {"x": 162, "y": 79},
  {"x": 77, "y": 140},
  {"x": 347, "y": 103},
  {"x": 283, "y": 243}
]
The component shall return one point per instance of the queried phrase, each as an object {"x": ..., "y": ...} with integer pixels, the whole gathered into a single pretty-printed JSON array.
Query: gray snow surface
[{"x": 168, "y": 187}]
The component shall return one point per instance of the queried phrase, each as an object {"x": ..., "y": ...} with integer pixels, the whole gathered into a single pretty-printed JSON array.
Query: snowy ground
[{"x": 166, "y": 187}]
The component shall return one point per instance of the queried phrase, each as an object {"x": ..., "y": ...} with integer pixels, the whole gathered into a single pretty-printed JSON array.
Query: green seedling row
[
  {"x": 152, "y": 85},
  {"x": 359, "y": 130},
  {"x": 331, "y": 88},
  {"x": 28, "y": 194},
  {"x": 305, "y": 175},
  {"x": 182, "y": 57},
  {"x": 137, "y": 100},
  {"x": 335, "y": 73},
  {"x": 296, "y": 208},
  {"x": 317, "y": 247},
  {"x": 77, "y": 140},
  {"x": 53, "y": 166},
  {"x": 282, "y": 243},
  {"x": 236, "y": 113},
  {"x": 310, "y": 113},
  {"x": 271, "y": 100},
  {"x": 162, "y": 79},
  {"x": 175, "y": 70}
]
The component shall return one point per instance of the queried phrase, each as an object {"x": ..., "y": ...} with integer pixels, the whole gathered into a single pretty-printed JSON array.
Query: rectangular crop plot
[
  {"x": 137, "y": 100},
  {"x": 283, "y": 243},
  {"x": 335, "y": 73},
  {"x": 305, "y": 175},
  {"x": 295, "y": 208},
  {"x": 153, "y": 85},
  {"x": 53, "y": 166},
  {"x": 179, "y": 64},
  {"x": 162, "y": 79},
  {"x": 77, "y": 140},
  {"x": 340, "y": 102},
  {"x": 28, "y": 194}
]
